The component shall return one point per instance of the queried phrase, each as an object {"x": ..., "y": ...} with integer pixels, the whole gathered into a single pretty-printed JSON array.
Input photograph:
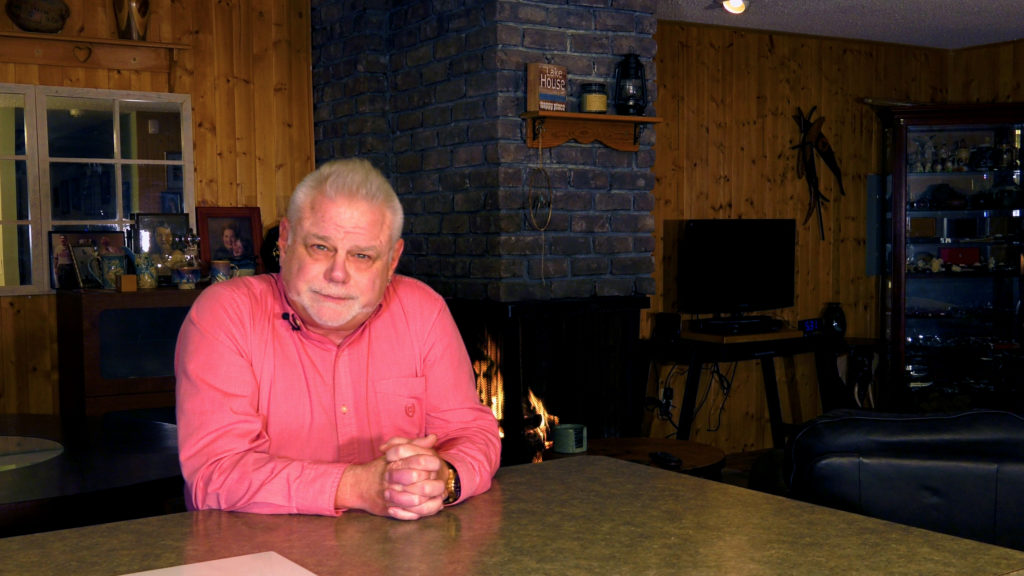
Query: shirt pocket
[{"x": 400, "y": 404}]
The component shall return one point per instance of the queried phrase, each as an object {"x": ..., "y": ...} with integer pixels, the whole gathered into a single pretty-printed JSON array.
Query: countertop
[
  {"x": 589, "y": 515},
  {"x": 118, "y": 466}
]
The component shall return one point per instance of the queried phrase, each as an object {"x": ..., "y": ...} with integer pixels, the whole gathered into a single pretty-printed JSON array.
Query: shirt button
[{"x": 344, "y": 409}]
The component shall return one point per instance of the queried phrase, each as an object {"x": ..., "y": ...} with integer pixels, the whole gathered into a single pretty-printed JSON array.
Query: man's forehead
[
  {"x": 351, "y": 210},
  {"x": 362, "y": 222}
]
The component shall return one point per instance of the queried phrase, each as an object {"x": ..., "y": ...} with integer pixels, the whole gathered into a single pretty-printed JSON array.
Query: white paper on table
[{"x": 260, "y": 564}]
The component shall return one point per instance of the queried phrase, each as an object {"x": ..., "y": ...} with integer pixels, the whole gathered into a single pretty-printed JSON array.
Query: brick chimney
[{"x": 432, "y": 93}]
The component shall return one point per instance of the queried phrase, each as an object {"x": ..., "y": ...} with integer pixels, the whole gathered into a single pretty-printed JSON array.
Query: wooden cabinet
[
  {"x": 954, "y": 257},
  {"x": 116, "y": 349}
]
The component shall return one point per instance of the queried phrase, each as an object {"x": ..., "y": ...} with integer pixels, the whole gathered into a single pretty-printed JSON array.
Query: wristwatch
[{"x": 453, "y": 488}]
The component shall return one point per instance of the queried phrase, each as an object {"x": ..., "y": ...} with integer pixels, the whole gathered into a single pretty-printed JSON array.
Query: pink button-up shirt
[{"x": 270, "y": 414}]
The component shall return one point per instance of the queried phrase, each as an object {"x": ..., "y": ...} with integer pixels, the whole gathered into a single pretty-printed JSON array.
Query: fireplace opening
[{"x": 578, "y": 359}]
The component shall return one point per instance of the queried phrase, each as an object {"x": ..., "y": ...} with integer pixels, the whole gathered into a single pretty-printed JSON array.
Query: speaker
[{"x": 666, "y": 326}]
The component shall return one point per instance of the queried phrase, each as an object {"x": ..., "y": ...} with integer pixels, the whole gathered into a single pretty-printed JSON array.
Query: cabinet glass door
[{"x": 956, "y": 263}]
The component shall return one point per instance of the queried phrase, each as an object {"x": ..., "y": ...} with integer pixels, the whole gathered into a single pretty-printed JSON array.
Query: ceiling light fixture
[{"x": 734, "y": 6}]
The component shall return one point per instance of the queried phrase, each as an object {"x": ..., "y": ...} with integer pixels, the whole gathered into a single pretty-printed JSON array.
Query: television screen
[{"x": 730, "y": 267}]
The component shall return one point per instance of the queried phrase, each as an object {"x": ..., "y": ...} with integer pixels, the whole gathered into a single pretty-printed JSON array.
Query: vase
[
  {"x": 833, "y": 319},
  {"x": 132, "y": 17},
  {"x": 145, "y": 270}
]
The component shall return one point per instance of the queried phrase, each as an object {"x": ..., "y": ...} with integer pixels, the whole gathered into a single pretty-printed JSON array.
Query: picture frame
[
  {"x": 72, "y": 252},
  {"x": 175, "y": 172},
  {"x": 246, "y": 227},
  {"x": 144, "y": 233}
]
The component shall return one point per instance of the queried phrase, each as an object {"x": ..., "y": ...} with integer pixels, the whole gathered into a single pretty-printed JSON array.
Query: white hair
[{"x": 352, "y": 178}]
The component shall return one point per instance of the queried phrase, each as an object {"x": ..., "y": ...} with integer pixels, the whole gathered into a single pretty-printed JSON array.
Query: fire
[
  {"x": 543, "y": 421},
  {"x": 489, "y": 386},
  {"x": 537, "y": 422}
]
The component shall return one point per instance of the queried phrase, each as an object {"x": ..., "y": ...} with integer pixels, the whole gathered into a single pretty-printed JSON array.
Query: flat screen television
[{"x": 729, "y": 268}]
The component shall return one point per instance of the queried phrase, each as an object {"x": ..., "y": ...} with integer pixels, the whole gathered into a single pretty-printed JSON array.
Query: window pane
[
  {"x": 152, "y": 188},
  {"x": 12, "y": 124},
  {"x": 13, "y": 190},
  {"x": 15, "y": 255},
  {"x": 80, "y": 191},
  {"x": 80, "y": 127},
  {"x": 150, "y": 130}
]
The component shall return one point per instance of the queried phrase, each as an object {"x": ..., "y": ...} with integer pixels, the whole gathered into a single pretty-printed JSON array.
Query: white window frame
[{"x": 37, "y": 160}]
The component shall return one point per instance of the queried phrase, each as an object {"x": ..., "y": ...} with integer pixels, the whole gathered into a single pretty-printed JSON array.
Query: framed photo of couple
[{"x": 230, "y": 233}]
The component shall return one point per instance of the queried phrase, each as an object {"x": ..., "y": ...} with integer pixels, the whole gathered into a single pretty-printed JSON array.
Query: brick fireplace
[{"x": 431, "y": 92}]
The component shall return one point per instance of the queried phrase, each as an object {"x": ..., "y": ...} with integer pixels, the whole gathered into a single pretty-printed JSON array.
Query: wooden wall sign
[{"x": 546, "y": 87}]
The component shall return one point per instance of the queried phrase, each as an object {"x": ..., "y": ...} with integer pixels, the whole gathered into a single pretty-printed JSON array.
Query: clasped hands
[{"x": 406, "y": 482}]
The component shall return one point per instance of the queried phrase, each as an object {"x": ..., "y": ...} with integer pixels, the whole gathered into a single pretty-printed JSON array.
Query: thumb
[{"x": 427, "y": 441}]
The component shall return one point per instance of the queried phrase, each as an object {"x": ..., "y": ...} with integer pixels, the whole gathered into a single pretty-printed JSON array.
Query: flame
[
  {"x": 540, "y": 433},
  {"x": 489, "y": 386}
]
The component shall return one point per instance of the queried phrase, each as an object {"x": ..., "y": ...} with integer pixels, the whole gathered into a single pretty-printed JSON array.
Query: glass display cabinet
[{"x": 953, "y": 276}]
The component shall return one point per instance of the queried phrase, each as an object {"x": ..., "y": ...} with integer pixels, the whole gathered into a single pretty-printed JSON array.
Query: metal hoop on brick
[{"x": 539, "y": 202}]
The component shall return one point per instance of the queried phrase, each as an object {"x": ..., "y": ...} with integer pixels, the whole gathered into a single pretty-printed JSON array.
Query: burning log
[{"x": 537, "y": 423}]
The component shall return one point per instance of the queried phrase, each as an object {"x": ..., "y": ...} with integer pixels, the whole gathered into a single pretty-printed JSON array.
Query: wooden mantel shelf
[
  {"x": 547, "y": 129},
  {"x": 77, "y": 51}
]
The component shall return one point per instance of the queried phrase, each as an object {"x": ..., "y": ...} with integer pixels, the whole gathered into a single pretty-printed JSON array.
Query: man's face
[{"x": 336, "y": 264}]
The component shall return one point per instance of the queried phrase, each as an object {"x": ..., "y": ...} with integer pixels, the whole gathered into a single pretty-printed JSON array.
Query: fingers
[
  {"x": 398, "y": 447},
  {"x": 406, "y": 514},
  {"x": 410, "y": 505},
  {"x": 415, "y": 501},
  {"x": 421, "y": 482},
  {"x": 414, "y": 477},
  {"x": 404, "y": 469}
]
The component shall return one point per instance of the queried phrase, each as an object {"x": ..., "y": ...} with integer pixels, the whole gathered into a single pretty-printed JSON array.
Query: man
[{"x": 335, "y": 384}]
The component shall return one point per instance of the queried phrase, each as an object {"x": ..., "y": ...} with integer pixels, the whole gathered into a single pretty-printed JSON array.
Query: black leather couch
[{"x": 959, "y": 473}]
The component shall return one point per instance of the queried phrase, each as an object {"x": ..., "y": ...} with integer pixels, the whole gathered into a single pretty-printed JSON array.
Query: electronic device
[
  {"x": 666, "y": 460},
  {"x": 729, "y": 268},
  {"x": 809, "y": 325}
]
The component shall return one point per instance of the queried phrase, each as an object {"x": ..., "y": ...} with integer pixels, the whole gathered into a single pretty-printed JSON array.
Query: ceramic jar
[
  {"x": 38, "y": 15},
  {"x": 833, "y": 319}
]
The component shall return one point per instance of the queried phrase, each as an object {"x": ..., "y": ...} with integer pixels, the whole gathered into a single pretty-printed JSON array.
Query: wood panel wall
[
  {"x": 726, "y": 96},
  {"x": 247, "y": 66},
  {"x": 725, "y": 151}
]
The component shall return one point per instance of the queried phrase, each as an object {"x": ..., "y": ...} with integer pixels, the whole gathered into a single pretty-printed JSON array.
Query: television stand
[
  {"x": 697, "y": 350},
  {"x": 737, "y": 325}
]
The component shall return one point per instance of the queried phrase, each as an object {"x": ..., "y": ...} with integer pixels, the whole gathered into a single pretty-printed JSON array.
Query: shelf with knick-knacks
[
  {"x": 80, "y": 51},
  {"x": 960, "y": 150},
  {"x": 546, "y": 129}
]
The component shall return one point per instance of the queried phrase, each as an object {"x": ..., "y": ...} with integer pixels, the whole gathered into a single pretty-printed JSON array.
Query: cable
[
  {"x": 663, "y": 402},
  {"x": 725, "y": 385}
]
